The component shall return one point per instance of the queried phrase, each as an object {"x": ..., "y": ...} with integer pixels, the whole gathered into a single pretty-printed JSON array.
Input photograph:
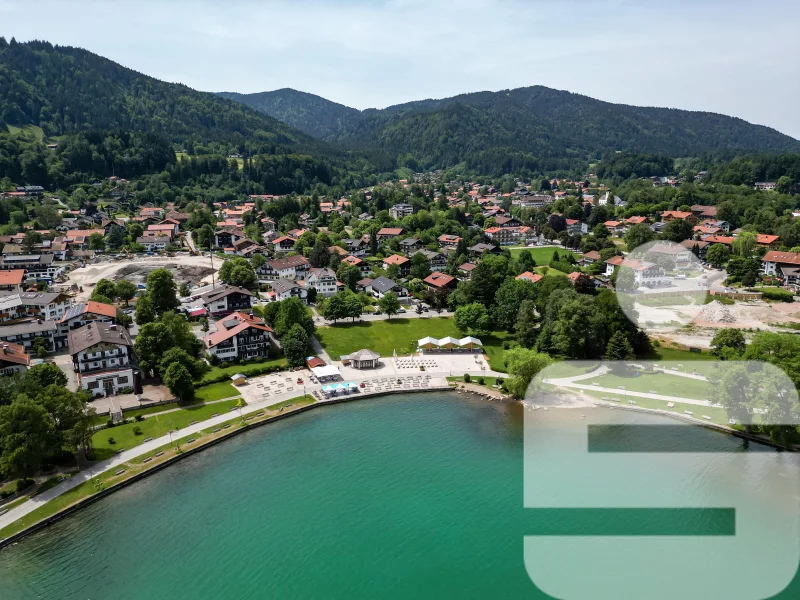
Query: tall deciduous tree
[
  {"x": 389, "y": 304},
  {"x": 161, "y": 291}
]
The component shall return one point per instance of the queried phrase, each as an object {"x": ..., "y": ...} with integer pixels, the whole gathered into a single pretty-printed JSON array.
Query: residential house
[
  {"x": 25, "y": 332},
  {"x": 403, "y": 264},
  {"x": 226, "y": 299},
  {"x": 286, "y": 288},
  {"x": 383, "y": 285},
  {"x": 612, "y": 263},
  {"x": 719, "y": 239},
  {"x": 448, "y": 240},
  {"x": 33, "y": 305},
  {"x": 36, "y": 266},
  {"x": 356, "y": 247},
  {"x": 508, "y": 221},
  {"x": 152, "y": 212},
  {"x": 646, "y": 274},
  {"x": 408, "y": 245},
  {"x": 165, "y": 230},
  {"x": 13, "y": 359},
  {"x": 702, "y": 211},
  {"x": 400, "y": 210},
  {"x": 768, "y": 241},
  {"x": 241, "y": 336},
  {"x": 673, "y": 256},
  {"x": 11, "y": 281},
  {"x": 528, "y": 276},
  {"x": 466, "y": 269},
  {"x": 440, "y": 281},
  {"x": 480, "y": 249},
  {"x": 283, "y": 244},
  {"x": 668, "y": 216},
  {"x": 363, "y": 266},
  {"x": 630, "y": 221},
  {"x": 224, "y": 237},
  {"x": 388, "y": 233},
  {"x": 760, "y": 185},
  {"x": 773, "y": 260},
  {"x": 616, "y": 228},
  {"x": 291, "y": 267},
  {"x": 437, "y": 261},
  {"x": 507, "y": 236},
  {"x": 701, "y": 246},
  {"x": 154, "y": 244},
  {"x": 102, "y": 358},
  {"x": 590, "y": 257},
  {"x": 323, "y": 280},
  {"x": 79, "y": 315},
  {"x": 576, "y": 227}
]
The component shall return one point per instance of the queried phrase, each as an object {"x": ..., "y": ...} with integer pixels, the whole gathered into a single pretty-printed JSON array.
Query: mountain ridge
[{"x": 534, "y": 121}]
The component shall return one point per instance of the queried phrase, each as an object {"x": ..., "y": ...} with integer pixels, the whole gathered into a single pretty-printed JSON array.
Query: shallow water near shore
[{"x": 403, "y": 496}]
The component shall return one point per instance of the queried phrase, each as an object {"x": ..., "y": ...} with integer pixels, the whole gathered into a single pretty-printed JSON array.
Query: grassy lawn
[
  {"x": 383, "y": 337},
  {"x": 215, "y": 391},
  {"x": 402, "y": 335},
  {"x": 702, "y": 362},
  {"x": 14, "y": 503},
  {"x": 248, "y": 369},
  {"x": 487, "y": 381},
  {"x": 550, "y": 272},
  {"x": 294, "y": 403},
  {"x": 33, "y": 130},
  {"x": 660, "y": 383},
  {"x": 153, "y": 427},
  {"x": 133, "y": 467},
  {"x": 542, "y": 256},
  {"x": 718, "y": 415},
  {"x": 11, "y": 486}
]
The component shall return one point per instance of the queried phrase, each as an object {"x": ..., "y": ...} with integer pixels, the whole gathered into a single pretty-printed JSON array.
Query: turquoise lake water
[{"x": 402, "y": 497}]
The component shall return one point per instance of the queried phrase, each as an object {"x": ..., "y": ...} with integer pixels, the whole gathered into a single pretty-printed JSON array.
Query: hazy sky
[{"x": 729, "y": 56}]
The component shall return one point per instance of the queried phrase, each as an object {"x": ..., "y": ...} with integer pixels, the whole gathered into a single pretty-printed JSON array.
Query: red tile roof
[
  {"x": 14, "y": 353},
  {"x": 245, "y": 322},
  {"x": 390, "y": 231},
  {"x": 528, "y": 276},
  {"x": 788, "y": 258},
  {"x": 439, "y": 280},
  {"x": 13, "y": 277},
  {"x": 395, "y": 259}
]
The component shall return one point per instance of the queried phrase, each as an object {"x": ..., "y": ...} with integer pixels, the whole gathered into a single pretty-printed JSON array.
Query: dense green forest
[
  {"x": 534, "y": 128},
  {"x": 65, "y": 90},
  {"x": 310, "y": 114}
]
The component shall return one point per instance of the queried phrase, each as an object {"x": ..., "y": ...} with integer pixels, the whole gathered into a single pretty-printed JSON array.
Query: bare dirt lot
[
  {"x": 185, "y": 269},
  {"x": 755, "y": 315}
]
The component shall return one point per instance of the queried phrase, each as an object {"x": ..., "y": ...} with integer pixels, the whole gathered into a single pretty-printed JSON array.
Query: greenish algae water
[{"x": 402, "y": 497}]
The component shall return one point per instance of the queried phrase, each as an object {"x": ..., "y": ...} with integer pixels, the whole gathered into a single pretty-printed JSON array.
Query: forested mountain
[
  {"x": 110, "y": 120},
  {"x": 534, "y": 127},
  {"x": 65, "y": 90},
  {"x": 310, "y": 114}
]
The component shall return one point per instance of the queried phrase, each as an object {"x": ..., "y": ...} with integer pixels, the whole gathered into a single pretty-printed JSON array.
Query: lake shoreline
[
  {"x": 485, "y": 395},
  {"x": 87, "y": 501}
]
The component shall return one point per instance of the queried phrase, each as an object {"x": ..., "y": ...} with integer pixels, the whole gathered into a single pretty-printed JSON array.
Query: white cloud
[{"x": 361, "y": 53}]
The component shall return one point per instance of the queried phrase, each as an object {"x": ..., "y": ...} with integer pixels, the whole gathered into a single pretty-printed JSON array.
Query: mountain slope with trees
[
  {"x": 537, "y": 127},
  {"x": 311, "y": 114},
  {"x": 66, "y": 90}
]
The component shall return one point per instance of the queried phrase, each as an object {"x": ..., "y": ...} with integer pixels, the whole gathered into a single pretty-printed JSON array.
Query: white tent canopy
[
  {"x": 325, "y": 372},
  {"x": 449, "y": 340}
]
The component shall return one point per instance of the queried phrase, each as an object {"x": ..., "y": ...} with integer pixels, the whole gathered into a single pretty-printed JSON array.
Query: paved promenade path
[{"x": 437, "y": 381}]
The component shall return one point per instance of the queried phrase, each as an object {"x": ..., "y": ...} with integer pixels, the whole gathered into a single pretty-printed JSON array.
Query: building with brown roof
[
  {"x": 102, "y": 356},
  {"x": 13, "y": 359},
  {"x": 239, "y": 336}
]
